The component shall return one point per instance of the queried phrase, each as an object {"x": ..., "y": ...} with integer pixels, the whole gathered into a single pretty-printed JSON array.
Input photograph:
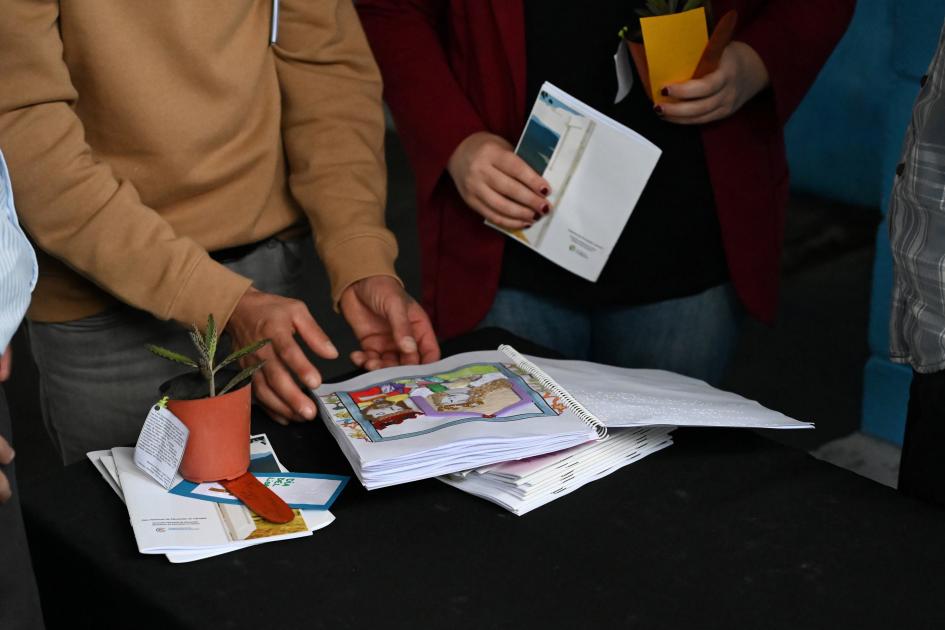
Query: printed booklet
[
  {"x": 597, "y": 169},
  {"x": 476, "y": 409}
]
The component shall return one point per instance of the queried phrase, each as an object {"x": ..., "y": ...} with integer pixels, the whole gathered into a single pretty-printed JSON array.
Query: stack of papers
[
  {"x": 476, "y": 409},
  {"x": 416, "y": 422},
  {"x": 524, "y": 485},
  {"x": 185, "y": 528}
]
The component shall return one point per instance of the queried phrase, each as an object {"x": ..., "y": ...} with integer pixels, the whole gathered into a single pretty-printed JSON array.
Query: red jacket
[{"x": 455, "y": 67}]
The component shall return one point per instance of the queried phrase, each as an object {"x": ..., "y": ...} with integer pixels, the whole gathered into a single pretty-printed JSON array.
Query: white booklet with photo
[
  {"x": 475, "y": 409},
  {"x": 597, "y": 169}
]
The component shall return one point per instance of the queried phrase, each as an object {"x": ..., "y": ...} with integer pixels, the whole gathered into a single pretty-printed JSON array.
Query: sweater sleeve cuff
[
  {"x": 210, "y": 288},
  {"x": 357, "y": 258}
]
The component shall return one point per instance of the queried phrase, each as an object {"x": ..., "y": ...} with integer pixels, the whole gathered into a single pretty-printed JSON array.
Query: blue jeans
[{"x": 693, "y": 335}]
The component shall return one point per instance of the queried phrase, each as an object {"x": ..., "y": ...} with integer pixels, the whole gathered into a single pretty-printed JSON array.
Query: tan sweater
[{"x": 141, "y": 134}]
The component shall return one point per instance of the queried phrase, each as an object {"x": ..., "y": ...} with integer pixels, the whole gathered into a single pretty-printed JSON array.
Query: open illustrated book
[
  {"x": 476, "y": 409},
  {"x": 597, "y": 169}
]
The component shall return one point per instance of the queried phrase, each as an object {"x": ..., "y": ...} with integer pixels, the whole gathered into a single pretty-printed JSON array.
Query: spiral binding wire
[{"x": 572, "y": 403}]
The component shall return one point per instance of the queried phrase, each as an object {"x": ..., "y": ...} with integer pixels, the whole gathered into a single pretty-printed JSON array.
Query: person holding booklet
[{"x": 703, "y": 243}]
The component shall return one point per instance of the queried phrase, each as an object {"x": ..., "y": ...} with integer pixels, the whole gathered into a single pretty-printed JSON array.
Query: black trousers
[
  {"x": 19, "y": 599},
  {"x": 922, "y": 469}
]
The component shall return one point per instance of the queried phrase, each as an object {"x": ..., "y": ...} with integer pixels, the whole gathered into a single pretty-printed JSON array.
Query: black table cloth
[{"x": 724, "y": 529}]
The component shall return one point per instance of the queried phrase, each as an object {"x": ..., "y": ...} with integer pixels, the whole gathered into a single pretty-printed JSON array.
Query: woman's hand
[
  {"x": 741, "y": 74},
  {"x": 496, "y": 183}
]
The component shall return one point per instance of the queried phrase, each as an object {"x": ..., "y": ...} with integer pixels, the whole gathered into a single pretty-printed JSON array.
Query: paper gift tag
[{"x": 161, "y": 445}]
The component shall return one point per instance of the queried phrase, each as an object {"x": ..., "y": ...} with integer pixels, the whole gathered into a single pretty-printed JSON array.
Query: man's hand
[
  {"x": 261, "y": 315},
  {"x": 6, "y": 364},
  {"x": 741, "y": 74},
  {"x": 498, "y": 184},
  {"x": 390, "y": 326},
  {"x": 6, "y": 456}
]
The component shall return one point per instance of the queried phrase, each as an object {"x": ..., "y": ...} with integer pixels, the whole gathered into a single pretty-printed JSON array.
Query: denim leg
[
  {"x": 546, "y": 322},
  {"x": 694, "y": 335},
  {"x": 96, "y": 378}
]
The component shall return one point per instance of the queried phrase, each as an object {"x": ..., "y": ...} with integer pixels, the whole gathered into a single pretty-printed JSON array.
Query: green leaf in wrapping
[
  {"x": 199, "y": 343},
  {"x": 658, "y": 7},
  {"x": 672, "y": 6},
  {"x": 242, "y": 352},
  {"x": 211, "y": 338},
  {"x": 243, "y": 375},
  {"x": 692, "y": 4},
  {"x": 171, "y": 356}
]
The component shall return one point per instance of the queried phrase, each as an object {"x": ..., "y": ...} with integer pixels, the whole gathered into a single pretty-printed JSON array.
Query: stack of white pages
[
  {"x": 187, "y": 529},
  {"x": 521, "y": 486},
  {"x": 480, "y": 408}
]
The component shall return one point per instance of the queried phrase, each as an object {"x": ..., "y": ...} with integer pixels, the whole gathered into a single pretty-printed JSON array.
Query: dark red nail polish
[
  {"x": 658, "y": 109},
  {"x": 544, "y": 190},
  {"x": 665, "y": 91},
  {"x": 537, "y": 216},
  {"x": 545, "y": 209}
]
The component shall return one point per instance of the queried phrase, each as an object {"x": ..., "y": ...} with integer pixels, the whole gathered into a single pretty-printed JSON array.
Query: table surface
[{"x": 724, "y": 528}]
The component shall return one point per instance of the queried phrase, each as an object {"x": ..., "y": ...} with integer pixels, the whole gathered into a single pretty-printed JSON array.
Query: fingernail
[
  {"x": 537, "y": 216},
  {"x": 408, "y": 344},
  {"x": 313, "y": 382},
  {"x": 665, "y": 91},
  {"x": 330, "y": 347},
  {"x": 544, "y": 190},
  {"x": 658, "y": 109},
  {"x": 545, "y": 208},
  {"x": 307, "y": 412}
]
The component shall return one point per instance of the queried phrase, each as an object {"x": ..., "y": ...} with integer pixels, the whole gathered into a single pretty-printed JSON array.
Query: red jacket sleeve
[
  {"x": 794, "y": 39},
  {"x": 432, "y": 112}
]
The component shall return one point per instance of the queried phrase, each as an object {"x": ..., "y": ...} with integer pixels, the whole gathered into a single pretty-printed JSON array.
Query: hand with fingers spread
[
  {"x": 740, "y": 76},
  {"x": 390, "y": 326},
  {"x": 261, "y": 315},
  {"x": 498, "y": 184}
]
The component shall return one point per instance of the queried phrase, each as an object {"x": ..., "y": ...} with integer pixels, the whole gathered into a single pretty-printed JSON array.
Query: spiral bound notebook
[{"x": 480, "y": 408}]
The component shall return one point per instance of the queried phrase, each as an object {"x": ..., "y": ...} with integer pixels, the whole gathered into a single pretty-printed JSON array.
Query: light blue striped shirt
[{"x": 18, "y": 268}]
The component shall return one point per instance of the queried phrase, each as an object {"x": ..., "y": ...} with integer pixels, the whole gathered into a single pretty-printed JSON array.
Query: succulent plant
[
  {"x": 666, "y": 7},
  {"x": 206, "y": 345},
  {"x": 663, "y": 7}
]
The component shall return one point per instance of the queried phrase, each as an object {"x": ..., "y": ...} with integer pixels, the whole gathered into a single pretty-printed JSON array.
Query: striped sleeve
[{"x": 18, "y": 267}]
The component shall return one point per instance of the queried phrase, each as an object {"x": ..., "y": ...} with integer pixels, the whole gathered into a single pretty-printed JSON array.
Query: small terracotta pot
[{"x": 218, "y": 446}]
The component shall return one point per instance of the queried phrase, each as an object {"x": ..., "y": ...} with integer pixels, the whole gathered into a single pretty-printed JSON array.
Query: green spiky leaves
[
  {"x": 206, "y": 345},
  {"x": 172, "y": 356},
  {"x": 667, "y": 7}
]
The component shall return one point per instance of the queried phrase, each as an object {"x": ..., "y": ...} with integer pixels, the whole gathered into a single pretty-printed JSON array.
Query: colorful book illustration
[
  {"x": 477, "y": 409},
  {"x": 597, "y": 169}
]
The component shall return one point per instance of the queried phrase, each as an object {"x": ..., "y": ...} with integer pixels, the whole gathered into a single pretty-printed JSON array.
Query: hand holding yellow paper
[{"x": 674, "y": 45}]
